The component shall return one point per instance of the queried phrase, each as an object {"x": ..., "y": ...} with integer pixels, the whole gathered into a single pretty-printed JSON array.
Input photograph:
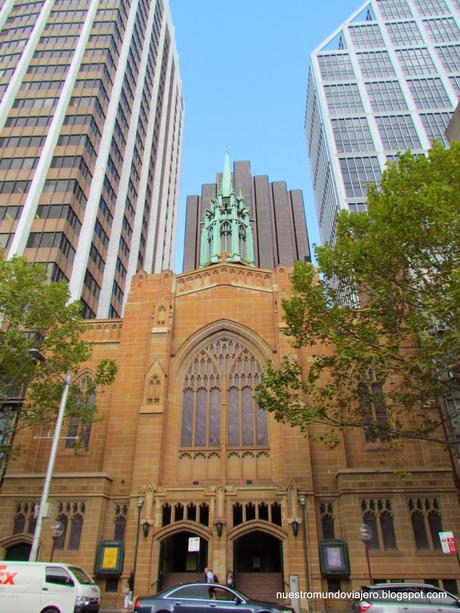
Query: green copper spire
[{"x": 226, "y": 234}]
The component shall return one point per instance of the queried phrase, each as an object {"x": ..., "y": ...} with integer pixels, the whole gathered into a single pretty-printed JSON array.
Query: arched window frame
[
  {"x": 19, "y": 524},
  {"x": 119, "y": 528},
  {"x": 326, "y": 510},
  {"x": 63, "y": 519},
  {"x": 78, "y": 432},
  {"x": 76, "y": 528},
  {"x": 226, "y": 237},
  {"x": 378, "y": 515},
  {"x": 426, "y": 523},
  {"x": 224, "y": 372}
]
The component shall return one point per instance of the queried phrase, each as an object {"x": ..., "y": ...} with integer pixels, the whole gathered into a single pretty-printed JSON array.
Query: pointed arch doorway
[
  {"x": 18, "y": 552},
  {"x": 179, "y": 565},
  {"x": 258, "y": 565}
]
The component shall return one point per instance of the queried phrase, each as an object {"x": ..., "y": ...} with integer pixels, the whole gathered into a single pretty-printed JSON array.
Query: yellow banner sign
[{"x": 110, "y": 557}]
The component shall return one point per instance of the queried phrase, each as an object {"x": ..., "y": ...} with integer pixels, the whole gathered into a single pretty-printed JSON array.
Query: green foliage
[
  {"x": 35, "y": 313},
  {"x": 398, "y": 352}
]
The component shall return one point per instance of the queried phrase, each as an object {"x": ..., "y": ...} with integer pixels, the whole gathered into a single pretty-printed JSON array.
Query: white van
[{"x": 46, "y": 587}]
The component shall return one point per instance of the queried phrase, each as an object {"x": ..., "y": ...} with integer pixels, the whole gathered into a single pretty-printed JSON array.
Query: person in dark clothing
[{"x": 129, "y": 591}]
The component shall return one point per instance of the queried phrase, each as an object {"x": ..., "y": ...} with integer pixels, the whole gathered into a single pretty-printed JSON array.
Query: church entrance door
[
  {"x": 179, "y": 565},
  {"x": 258, "y": 562},
  {"x": 20, "y": 551}
]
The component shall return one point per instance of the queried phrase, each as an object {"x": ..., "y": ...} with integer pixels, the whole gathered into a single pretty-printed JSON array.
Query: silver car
[{"x": 404, "y": 598}]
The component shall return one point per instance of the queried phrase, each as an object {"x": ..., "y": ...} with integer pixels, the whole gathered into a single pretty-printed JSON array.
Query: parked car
[
  {"x": 46, "y": 587},
  {"x": 404, "y": 598},
  {"x": 204, "y": 597}
]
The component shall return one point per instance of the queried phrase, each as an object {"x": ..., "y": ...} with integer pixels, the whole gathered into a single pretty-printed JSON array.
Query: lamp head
[
  {"x": 37, "y": 355},
  {"x": 140, "y": 502},
  {"x": 365, "y": 533},
  {"x": 219, "y": 528}
]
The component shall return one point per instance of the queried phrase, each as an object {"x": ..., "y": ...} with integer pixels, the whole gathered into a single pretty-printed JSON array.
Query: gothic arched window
[
  {"x": 242, "y": 239},
  {"x": 226, "y": 237},
  {"x": 426, "y": 520},
  {"x": 19, "y": 523},
  {"x": 223, "y": 372},
  {"x": 119, "y": 528},
  {"x": 60, "y": 540},
  {"x": 76, "y": 525},
  {"x": 77, "y": 430}
]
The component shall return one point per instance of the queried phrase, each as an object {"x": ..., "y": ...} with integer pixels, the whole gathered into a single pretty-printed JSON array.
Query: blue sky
[{"x": 244, "y": 67}]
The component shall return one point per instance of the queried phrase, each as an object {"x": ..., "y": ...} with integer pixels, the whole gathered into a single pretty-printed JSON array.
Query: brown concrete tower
[{"x": 278, "y": 216}]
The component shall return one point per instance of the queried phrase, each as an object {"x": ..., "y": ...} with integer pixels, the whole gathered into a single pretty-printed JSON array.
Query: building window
[
  {"x": 435, "y": 125},
  {"x": 376, "y": 64},
  {"x": 443, "y": 30},
  {"x": 352, "y": 135},
  {"x": 450, "y": 57},
  {"x": 25, "y": 518},
  {"x": 398, "y": 132},
  {"x": 225, "y": 358},
  {"x": 426, "y": 522},
  {"x": 335, "y": 67},
  {"x": 119, "y": 529},
  {"x": 368, "y": 35},
  {"x": 378, "y": 515},
  {"x": 404, "y": 34},
  {"x": 166, "y": 514},
  {"x": 416, "y": 62},
  {"x": 358, "y": 173},
  {"x": 226, "y": 237},
  {"x": 431, "y": 7},
  {"x": 63, "y": 519},
  {"x": 76, "y": 525},
  {"x": 19, "y": 523},
  {"x": 429, "y": 93},
  {"x": 178, "y": 512},
  {"x": 343, "y": 98},
  {"x": 72, "y": 513},
  {"x": 394, "y": 9},
  {"x": 204, "y": 514},
  {"x": 79, "y": 432},
  {"x": 261, "y": 511},
  {"x": 386, "y": 96},
  {"x": 372, "y": 408},
  {"x": 326, "y": 510}
]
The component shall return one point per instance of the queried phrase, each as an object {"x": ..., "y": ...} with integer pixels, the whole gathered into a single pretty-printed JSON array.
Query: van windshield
[{"x": 81, "y": 576}]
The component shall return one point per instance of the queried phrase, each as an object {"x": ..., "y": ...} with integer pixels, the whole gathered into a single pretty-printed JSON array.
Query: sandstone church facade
[{"x": 183, "y": 452}]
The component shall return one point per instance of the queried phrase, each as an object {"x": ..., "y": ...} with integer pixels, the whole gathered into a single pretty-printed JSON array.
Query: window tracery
[
  {"x": 79, "y": 431},
  {"x": 426, "y": 522},
  {"x": 73, "y": 514},
  {"x": 224, "y": 372}
]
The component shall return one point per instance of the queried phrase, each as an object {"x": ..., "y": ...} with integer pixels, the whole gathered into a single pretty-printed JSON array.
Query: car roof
[
  {"x": 193, "y": 583},
  {"x": 388, "y": 585}
]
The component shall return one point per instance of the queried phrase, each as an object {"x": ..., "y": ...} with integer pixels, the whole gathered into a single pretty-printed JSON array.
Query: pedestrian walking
[{"x": 129, "y": 591}]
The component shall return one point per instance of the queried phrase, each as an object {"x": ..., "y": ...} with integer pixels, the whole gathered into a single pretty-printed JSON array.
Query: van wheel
[{"x": 51, "y": 610}]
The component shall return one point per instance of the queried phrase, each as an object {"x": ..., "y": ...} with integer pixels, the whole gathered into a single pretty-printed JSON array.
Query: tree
[
  {"x": 35, "y": 313},
  {"x": 384, "y": 361}
]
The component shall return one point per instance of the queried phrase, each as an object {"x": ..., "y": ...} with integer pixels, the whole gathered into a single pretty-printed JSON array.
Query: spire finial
[{"x": 227, "y": 177}]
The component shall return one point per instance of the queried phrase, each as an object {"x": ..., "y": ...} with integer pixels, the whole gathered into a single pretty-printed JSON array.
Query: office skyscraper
[
  {"x": 277, "y": 217},
  {"x": 387, "y": 80},
  {"x": 90, "y": 138}
]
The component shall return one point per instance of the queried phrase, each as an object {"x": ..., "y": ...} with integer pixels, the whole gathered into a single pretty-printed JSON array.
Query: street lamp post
[
  {"x": 303, "y": 506},
  {"x": 365, "y": 533},
  {"x": 57, "y": 530},
  {"x": 52, "y": 457},
  {"x": 139, "y": 504}
]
